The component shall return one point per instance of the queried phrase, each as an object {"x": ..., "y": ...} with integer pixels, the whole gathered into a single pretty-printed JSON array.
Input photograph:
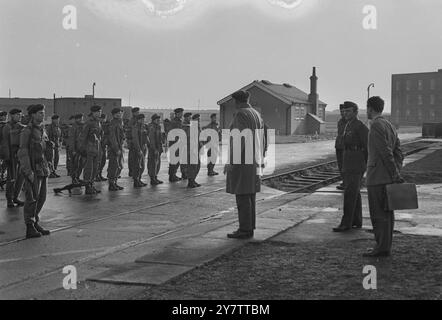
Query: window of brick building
[
  {"x": 408, "y": 85},
  {"x": 420, "y": 84},
  {"x": 419, "y": 99},
  {"x": 433, "y": 84},
  {"x": 432, "y": 99},
  {"x": 432, "y": 115},
  {"x": 398, "y": 85},
  {"x": 407, "y": 99},
  {"x": 419, "y": 114}
]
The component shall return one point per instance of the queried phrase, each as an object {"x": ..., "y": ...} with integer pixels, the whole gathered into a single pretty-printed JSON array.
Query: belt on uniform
[{"x": 354, "y": 148}]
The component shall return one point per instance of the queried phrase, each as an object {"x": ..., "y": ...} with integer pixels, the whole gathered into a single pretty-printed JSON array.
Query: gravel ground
[{"x": 332, "y": 270}]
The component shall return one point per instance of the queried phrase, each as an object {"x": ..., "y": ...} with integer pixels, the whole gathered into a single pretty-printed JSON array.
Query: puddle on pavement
[
  {"x": 330, "y": 210},
  {"x": 422, "y": 231}
]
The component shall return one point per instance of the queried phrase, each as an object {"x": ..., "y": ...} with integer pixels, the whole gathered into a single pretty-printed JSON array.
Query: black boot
[
  {"x": 113, "y": 186},
  {"x": 19, "y": 203},
  {"x": 137, "y": 184},
  {"x": 11, "y": 204},
  {"x": 153, "y": 181},
  {"x": 119, "y": 187},
  {"x": 31, "y": 232},
  {"x": 90, "y": 190},
  {"x": 39, "y": 229},
  {"x": 158, "y": 181}
]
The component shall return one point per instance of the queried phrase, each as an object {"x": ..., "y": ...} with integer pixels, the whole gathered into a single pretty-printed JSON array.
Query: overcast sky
[{"x": 212, "y": 47}]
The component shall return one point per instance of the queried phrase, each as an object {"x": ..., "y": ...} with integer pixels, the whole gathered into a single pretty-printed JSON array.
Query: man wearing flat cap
[
  {"x": 355, "y": 139},
  {"x": 35, "y": 169},
  {"x": 193, "y": 154},
  {"x": 11, "y": 143},
  {"x": 90, "y": 138},
  {"x": 155, "y": 149},
  {"x": 128, "y": 130},
  {"x": 210, "y": 164},
  {"x": 54, "y": 134},
  {"x": 339, "y": 144},
  {"x": 243, "y": 179},
  {"x": 75, "y": 150},
  {"x": 115, "y": 149},
  {"x": 140, "y": 141},
  {"x": 3, "y": 166},
  {"x": 175, "y": 123},
  {"x": 104, "y": 139}
]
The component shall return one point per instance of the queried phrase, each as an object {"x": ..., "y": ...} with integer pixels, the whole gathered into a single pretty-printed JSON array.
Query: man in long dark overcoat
[{"x": 243, "y": 179}]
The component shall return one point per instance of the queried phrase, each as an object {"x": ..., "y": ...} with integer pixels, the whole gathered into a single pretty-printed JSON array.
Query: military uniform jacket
[
  {"x": 355, "y": 138},
  {"x": 175, "y": 123},
  {"x": 105, "y": 133},
  {"x": 339, "y": 143},
  {"x": 384, "y": 153},
  {"x": 140, "y": 139},
  {"x": 243, "y": 178},
  {"x": 132, "y": 122},
  {"x": 116, "y": 135},
  {"x": 11, "y": 138},
  {"x": 192, "y": 153},
  {"x": 155, "y": 137},
  {"x": 54, "y": 134},
  {"x": 90, "y": 137},
  {"x": 31, "y": 154}
]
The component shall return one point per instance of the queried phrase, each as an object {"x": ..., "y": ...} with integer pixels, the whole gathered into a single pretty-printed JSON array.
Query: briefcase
[{"x": 401, "y": 196}]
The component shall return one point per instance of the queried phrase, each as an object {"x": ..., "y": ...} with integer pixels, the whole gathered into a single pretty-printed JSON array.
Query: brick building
[
  {"x": 416, "y": 98},
  {"x": 284, "y": 108}
]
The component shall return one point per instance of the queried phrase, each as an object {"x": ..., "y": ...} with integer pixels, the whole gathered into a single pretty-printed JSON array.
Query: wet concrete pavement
[{"x": 108, "y": 237}]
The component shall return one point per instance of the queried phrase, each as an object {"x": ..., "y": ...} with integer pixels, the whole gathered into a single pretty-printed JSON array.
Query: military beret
[
  {"x": 213, "y": 115},
  {"x": 136, "y": 109},
  {"x": 155, "y": 116},
  {"x": 116, "y": 110},
  {"x": 178, "y": 110},
  {"x": 196, "y": 116},
  {"x": 140, "y": 116},
  {"x": 15, "y": 111},
  {"x": 55, "y": 116},
  {"x": 95, "y": 108},
  {"x": 349, "y": 104},
  {"x": 3, "y": 113},
  {"x": 187, "y": 114},
  {"x": 241, "y": 96},
  {"x": 78, "y": 116},
  {"x": 35, "y": 108}
]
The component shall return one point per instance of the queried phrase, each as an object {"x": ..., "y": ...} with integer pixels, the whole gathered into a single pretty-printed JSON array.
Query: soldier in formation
[
  {"x": 3, "y": 166},
  {"x": 210, "y": 164},
  {"x": 155, "y": 149},
  {"x": 103, "y": 150},
  {"x": 10, "y": 145},
  {"x": 34, "y": 167},
  {"x": 175, "y": 123},
  {"x": 140, "y": 142},
  {"x": 90, "y": 138},
  {"x": 53, "y": 150},
  {"x": 115, "y": 149}
]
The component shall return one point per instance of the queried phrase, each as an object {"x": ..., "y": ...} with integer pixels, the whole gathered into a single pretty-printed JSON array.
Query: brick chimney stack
[{"x": 313, "y": 97}]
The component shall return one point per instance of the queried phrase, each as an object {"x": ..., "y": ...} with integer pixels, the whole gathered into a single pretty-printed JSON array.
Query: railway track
[
  {"x": 314, "y": 177},
  {"x": 303, "y": 180}
]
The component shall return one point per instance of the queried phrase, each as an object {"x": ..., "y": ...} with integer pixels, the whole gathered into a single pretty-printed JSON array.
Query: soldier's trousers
[
  {"x": 210, "y": 165},
  {"x": 193, "y": 170},
  {"x": 115, "y": 165},
  {"x": 153, "y": 163},
  {"x": 246, "y": 204},
  {"x": 139, "y": 165},
  {"x": 340, "y": 159},
  {"x": 14, "y": 180},
  {"x": 78, "y": 163},
  {"x": 352, "y": 200},
  {"x": 102, "y": 160},
  {"x": 69, "y": 162},
  {"x": 56, "y": 157},
  {"x": 35, "y": 193},
  {"x": 381, "y": 219},
  {"x": 130, "y": 159},
  {"x": 173, "y": 168},
  {"x": 91, "y": 166}
]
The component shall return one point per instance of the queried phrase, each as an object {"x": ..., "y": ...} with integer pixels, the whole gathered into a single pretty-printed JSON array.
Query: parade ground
[{"x": 169, "y": 242}]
